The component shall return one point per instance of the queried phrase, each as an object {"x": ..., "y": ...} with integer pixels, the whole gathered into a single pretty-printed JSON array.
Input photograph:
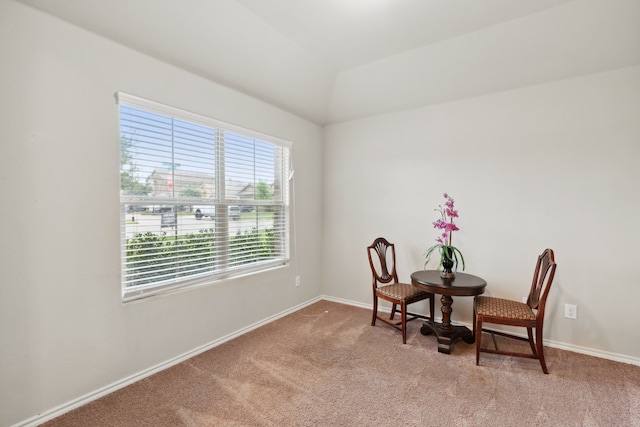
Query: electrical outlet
[
  {"x": 297, "y": 281},
  {"x": 571, "y": 311}
]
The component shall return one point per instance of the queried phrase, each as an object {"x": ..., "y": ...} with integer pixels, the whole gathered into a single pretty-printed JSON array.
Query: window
[{"x": 200, "y": 200}]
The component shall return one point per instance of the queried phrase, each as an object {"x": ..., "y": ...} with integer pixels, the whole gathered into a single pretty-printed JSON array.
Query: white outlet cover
[{"x": 570, "y": 311}]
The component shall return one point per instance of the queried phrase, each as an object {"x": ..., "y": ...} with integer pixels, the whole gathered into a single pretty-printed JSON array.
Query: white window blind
[{"x": 200, "y": 199}]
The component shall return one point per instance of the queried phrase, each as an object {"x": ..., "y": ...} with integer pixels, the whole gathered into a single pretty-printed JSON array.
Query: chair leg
[
  {"x": 541, "y": 349},
  {"x": 478, "y": 333},
  {"x": 531, "y": 342},
  {"x": 375, "y": 310},
  {"x": 393, "y": 312},
  {"x": 403, "y": 313}
]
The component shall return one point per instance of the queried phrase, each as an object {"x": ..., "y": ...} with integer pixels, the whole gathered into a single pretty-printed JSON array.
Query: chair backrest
[
  {"x": 382, "y": 259},
  {"x": 542, "y": 280}
]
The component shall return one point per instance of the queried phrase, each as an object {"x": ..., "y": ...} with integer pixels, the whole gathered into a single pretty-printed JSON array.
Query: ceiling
[
  {"x": 308, "y": 56},
  {"x": 348, "y": 33}
]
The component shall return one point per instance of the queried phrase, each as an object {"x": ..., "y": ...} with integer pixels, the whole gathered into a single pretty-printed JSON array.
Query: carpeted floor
[{"x": 326, "y": 366}]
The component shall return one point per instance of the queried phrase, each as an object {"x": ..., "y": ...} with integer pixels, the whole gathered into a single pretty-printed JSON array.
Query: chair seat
[
  {"x": 503, "y": 308},
  {"x": 400, "y": 291}
]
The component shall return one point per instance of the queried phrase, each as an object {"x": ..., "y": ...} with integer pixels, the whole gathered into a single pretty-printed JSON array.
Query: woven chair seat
[
  {"x": 503, "y": 308},
  {"x": 401, "y": 291}
]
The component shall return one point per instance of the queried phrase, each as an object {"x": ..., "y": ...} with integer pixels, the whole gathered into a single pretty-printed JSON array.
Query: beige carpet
[{"x": 326, "y": 366}]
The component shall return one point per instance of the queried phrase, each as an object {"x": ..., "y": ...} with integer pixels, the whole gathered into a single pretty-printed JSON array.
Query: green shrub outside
[{"x": 155, "y": 257}]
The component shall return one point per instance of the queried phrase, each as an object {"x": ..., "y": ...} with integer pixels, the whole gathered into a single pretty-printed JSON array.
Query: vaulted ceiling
[{"x": 335, "y": 60}]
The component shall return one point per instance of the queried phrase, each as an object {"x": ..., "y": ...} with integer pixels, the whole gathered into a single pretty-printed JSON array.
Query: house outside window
[{"x": 200, "y": 200}]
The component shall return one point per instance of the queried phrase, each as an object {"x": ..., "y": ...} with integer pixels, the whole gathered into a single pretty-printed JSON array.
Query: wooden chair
[
  {"x": 382, "y": 259},
  {"x": 514, "y": 313}
]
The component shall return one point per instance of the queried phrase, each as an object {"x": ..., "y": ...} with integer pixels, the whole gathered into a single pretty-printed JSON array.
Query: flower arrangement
[{"x": 450, "y": 256}]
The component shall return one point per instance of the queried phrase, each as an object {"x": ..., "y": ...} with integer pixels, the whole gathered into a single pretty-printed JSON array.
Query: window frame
[{"x": 282, "y": 208}]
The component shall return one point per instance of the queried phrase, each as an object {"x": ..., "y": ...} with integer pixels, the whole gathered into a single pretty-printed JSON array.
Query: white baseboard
[
  {"x": 555, "y": 344},
  {"x": 83, "y": 400}
]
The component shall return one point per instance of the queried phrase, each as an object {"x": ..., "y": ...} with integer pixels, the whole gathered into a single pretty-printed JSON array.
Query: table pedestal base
[{"x": 447, "y": 336}]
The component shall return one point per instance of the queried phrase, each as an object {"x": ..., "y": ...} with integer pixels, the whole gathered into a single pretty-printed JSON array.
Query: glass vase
[{"x": 447, "y": 264}]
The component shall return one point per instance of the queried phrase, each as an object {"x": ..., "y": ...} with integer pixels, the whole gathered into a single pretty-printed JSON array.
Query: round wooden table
[{"x": 463, "y": 285}]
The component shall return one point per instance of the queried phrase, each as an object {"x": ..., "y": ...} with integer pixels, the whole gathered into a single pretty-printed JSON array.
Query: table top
[{"x": 463, "y": 285}]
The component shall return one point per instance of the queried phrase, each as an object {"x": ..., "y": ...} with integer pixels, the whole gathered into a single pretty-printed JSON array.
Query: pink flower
[
  {"x": 439, "y": 224},
  {"x": 451, "y": 227},
  {"x": 448, "y": 213}
]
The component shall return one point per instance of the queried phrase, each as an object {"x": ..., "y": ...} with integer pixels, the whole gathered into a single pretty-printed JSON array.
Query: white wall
[
  {"x": 64, "y": 331},
  {"x": 554, "y": 165}
]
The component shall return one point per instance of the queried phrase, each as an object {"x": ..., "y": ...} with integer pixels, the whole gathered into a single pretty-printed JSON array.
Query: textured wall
[
  {"x": 65, "y": 332},
  {"x": 553, "y": 165}
]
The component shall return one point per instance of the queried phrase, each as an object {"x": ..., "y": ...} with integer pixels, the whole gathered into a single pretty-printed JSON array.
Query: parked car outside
[{"x": 201, "y": 211}]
